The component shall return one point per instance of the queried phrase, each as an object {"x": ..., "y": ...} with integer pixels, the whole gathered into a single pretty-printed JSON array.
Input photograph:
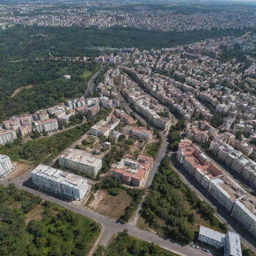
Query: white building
[
  {"x": 82, "y": 161},
  {"x": 211, "y": 237},
  {"x": 232, "y": 245},
  {"x": 48, "y": 125},
  {"x": 230, "y": 241},
  {"x": 56, "y": 181},
  {"x": 7, "y": 136},
  {"x": 5, "y": 165}
]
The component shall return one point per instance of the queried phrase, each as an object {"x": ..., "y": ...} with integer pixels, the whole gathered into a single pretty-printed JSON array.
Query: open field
[{"x": 109, "y": 205}]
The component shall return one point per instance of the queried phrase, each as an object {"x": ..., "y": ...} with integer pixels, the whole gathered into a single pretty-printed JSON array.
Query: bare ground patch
[
  {"x": 18, "y": 90},
  {"x": 111, "y": 206},
  {"x": 35, "y": 214}
]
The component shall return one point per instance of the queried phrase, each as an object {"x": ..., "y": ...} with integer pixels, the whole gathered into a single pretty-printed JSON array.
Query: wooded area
[
  {"x": 32, "y": 227},
  {"x": 174, "y": 210},
  {"x": 48, "y": 86}
]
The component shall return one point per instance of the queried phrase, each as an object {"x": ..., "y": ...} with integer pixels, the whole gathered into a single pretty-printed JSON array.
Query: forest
[
  {"x": 32, "y": 227},
  {"x": 174, "y": 210},
  {"x": 45, "y": 82},
  {"x": 125, "y": 245},
  {"x": 22, "y": 42}
]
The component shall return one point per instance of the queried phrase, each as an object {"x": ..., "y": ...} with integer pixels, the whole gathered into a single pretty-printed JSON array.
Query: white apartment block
[
  {"x": 230, "y": 241},
  {"x": 232, "y": 245},
  {"x": 82, "y": 161},
  {"x": 211, "y": 237},
  {"x": 5, "y": 165},
  {"x": 48, "y": 125},
  {"x": 243, "y": 215},
  {"x": 7, "y": 136},
  {"x": 59, "y": 182}
]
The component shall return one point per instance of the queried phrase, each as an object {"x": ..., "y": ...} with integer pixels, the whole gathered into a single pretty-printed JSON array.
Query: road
[
  {"x": 90, "y": 84},
  {"x": 109, "y": 226}
]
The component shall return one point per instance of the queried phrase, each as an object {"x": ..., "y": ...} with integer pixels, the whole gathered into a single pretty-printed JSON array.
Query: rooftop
[
  {"x": 215, "y": 235},
  {"x": 81, "y": 156},
  {"x": 69, "y": 179}
]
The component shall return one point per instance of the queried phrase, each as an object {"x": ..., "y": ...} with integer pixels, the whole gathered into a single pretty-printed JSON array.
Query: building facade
[
  {"x": 5, "y": 165},
  {"x": 59, "y": 182}
]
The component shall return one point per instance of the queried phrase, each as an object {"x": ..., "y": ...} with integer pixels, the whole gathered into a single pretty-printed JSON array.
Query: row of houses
[
  {"x": 240, "y": 205},
  {"x": 47, "y": 120}
]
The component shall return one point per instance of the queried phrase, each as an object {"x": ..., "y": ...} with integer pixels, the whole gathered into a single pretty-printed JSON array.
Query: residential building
[
  {"x": 5, "y": 165},
  {"x": 229, "y": 241},
  {"x": 133, "y": 172},
  {"x": 80, "y": 160},
  {"x": 48, "y": 125},
  {"x": 7, "y": 136},
  {"x": 138, "y": 132},
  {"x": 59, "y": 182}
]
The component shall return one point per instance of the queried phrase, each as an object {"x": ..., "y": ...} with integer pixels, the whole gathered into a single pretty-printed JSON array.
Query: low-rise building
[
  {"x": 5, "y": 165},
  {"x": 59, "y": 182},
  {"x": 82, "y": 161}
]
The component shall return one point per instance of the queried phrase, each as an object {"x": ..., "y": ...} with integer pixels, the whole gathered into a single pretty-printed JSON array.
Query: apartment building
[
  {"x": 104, "y": 127},
  {"x": 59, "y": 182},
  {"x": 235, "y": 160},
  {"x": 80, "y": 160},
  {"x": 125, "y": 117},
  {"x": 5, "y": 165},
  {"x": 7, "y": 136},
  {"x": 48, "y": 125},
  {"x": 211, "y": 237},
  {"x": 229, "y": 241},
  {"x": 138, "y": 132},
  {"x": 133, "y": 172},
  {"x": 226, "y": 191}
]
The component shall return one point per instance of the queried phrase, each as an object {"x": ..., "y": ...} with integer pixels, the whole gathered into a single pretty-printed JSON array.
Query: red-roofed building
[{"x": 133, "y": 172}]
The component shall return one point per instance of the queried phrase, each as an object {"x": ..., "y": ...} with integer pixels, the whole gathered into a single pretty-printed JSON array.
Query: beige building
[{"x": 80, "y": 160}]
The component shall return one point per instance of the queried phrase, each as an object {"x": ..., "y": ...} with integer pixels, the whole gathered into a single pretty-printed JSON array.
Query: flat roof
[
  {"x": 234, "y": 244},
  {"x": 66, "y": 178},
  {"x": 81, "y": 156},
  {"x": 212, "y": 234}
]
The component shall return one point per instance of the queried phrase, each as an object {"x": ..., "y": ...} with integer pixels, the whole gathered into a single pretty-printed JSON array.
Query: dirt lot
[
  {"x": 111, "y": 206},
  {"x": 20, "y": 168}
]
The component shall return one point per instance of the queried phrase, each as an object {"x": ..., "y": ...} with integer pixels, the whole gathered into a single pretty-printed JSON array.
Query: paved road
[
  {"x": 90, "y": 84},
  {"x": 110, "y": 226}
]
